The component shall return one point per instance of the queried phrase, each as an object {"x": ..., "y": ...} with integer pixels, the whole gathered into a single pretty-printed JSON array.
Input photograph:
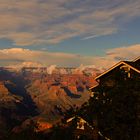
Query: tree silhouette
[{"x": 116, "y": 109}]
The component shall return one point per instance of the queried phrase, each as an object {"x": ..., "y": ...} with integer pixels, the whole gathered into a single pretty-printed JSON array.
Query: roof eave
[{"x": 119, "y": 63}]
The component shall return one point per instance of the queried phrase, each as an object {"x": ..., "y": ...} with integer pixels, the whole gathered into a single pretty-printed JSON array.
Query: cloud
[
  {"x": 19, "y": 56},
  {"x": 37, "y": 22},
  {"x": 126, "y": 52},
  {"x": 26, "y": 64}
]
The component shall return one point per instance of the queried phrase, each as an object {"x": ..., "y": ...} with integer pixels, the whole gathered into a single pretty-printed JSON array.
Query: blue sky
[{"x": 85, "y": 30}]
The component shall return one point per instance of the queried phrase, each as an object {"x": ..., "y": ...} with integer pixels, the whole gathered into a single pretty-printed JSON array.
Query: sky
[{"x": 69, "y": 32}]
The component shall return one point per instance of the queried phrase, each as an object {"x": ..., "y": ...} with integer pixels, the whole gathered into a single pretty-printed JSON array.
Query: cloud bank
[
  {"x": 36, "y": 22},
  {"x": 18, "y": 56}
]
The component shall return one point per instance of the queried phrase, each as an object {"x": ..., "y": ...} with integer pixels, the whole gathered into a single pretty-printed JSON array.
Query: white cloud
[
  {"x": 18, "y": 56},
  {"x": 35, "y": 22},
  {"x": 26, "y": 64},
  {"x": 126, "y": 52}
]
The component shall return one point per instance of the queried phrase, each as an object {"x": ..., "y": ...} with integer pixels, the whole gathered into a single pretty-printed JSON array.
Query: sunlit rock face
[{"x": 3, "y": 89}]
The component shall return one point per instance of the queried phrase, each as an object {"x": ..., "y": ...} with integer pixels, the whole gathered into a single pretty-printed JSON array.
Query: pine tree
[{"x": 116, "y": 109}]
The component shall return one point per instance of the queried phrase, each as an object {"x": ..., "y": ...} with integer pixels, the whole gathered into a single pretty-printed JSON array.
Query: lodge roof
[
  {"x": 135, "y": 65},
  {"x": 72, "y": 118},
  {"x": 137, "y": 59}
]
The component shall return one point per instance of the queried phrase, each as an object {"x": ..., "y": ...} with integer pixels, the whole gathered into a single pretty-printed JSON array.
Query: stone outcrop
[{"x": 3, "y": 89}]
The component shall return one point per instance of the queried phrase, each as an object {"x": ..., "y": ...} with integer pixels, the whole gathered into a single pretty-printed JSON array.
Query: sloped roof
[
  {"x": 135, "y": 65},
  {"x": 93, "y": 86},
  {"x": 70, "y": 119},
  {"x": 138, "y": 58}
]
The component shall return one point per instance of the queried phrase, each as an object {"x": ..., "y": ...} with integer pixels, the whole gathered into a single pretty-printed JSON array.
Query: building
[
  {"x": 126, "y": 74},
  {"x": 121, "y": 71},
  {"x": 82, "y": 129}
]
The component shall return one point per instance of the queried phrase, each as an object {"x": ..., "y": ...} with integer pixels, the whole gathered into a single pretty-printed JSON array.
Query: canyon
[{"x": 41, "y": 94}]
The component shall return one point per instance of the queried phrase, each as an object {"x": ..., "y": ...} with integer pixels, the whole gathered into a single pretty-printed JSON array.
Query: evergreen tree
[{"x": 116, "y": 109}]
